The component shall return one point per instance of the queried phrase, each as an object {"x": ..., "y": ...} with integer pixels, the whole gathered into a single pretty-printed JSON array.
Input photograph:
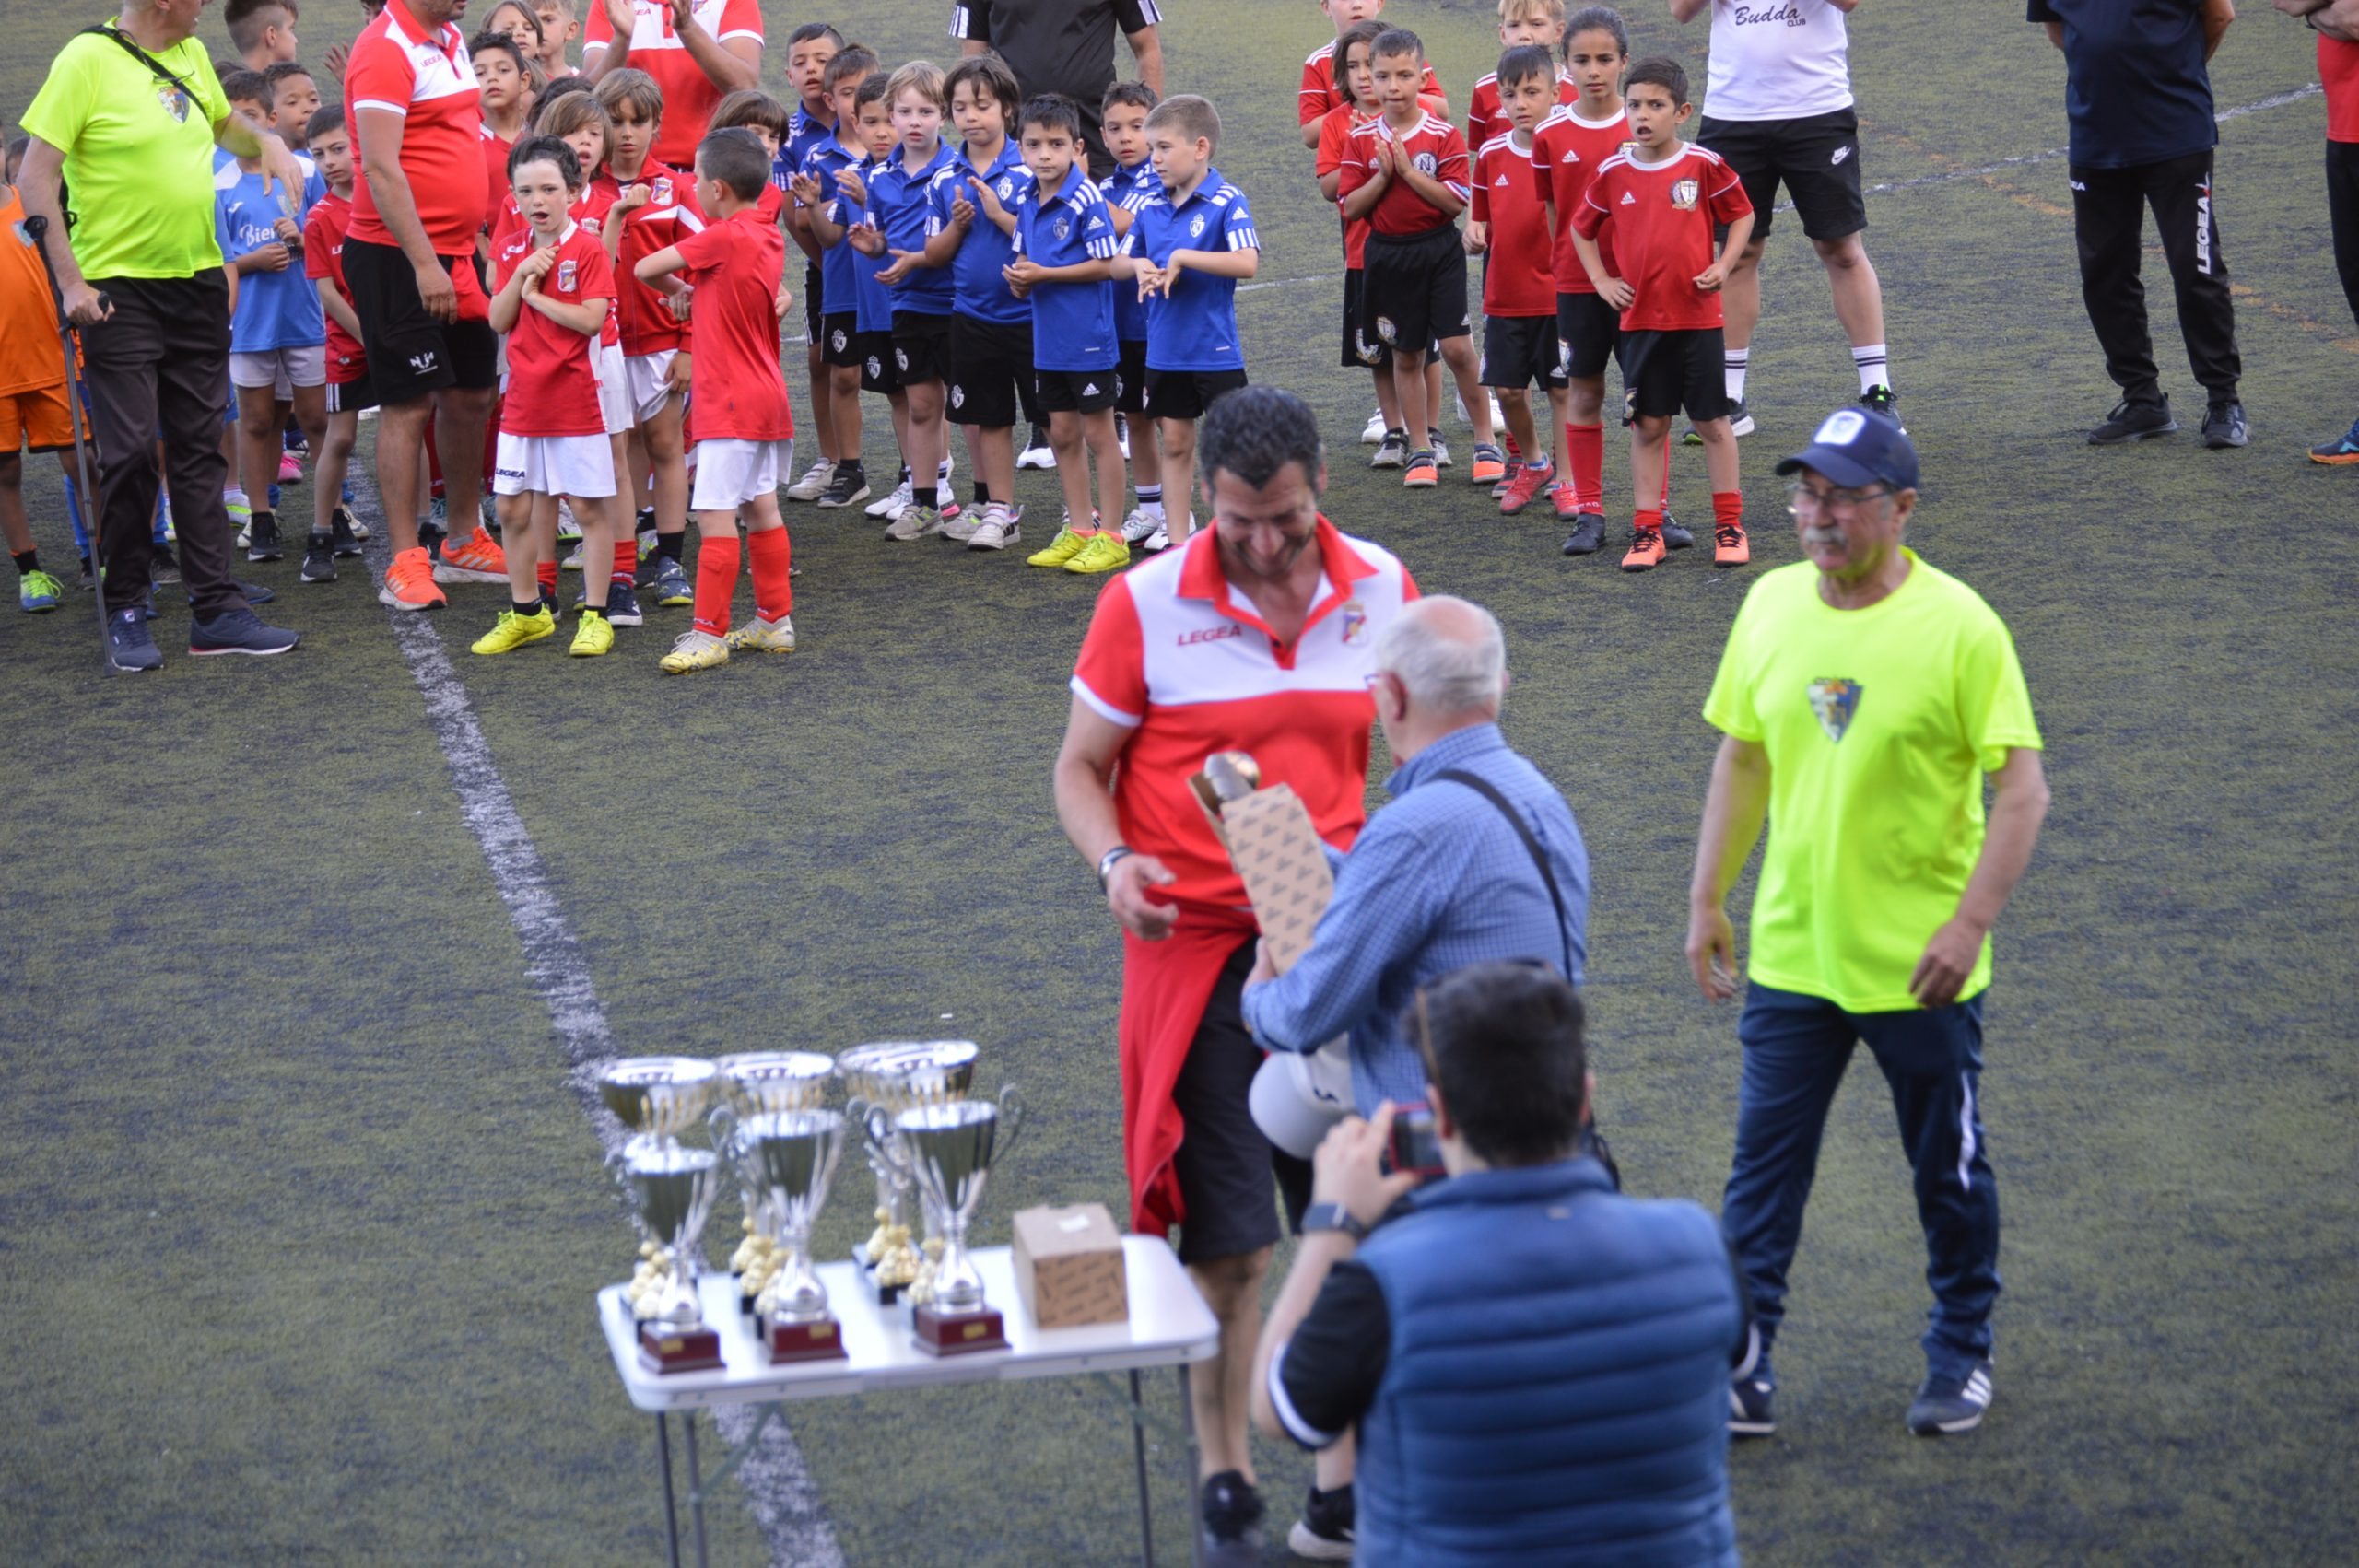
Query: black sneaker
[
  {"x": 130, "y": 646},
  {"x": 1588, "y": 536},
  {"x": 163, "y": 567},
  {"x": 429, "y": 539},
  {"x": 263, "y": 542},
  {"x": 340, "y": 536},
  {"x": 1947, "y": 1406},
  {"x": 1674, "y": 536},
  {"x": 319, "y": 557},
  {"x": 2134, "y": 422},
  {"x": 1323, "y": 1534},
  {"x": 238, "y": 631},
  {"x": 849, "y": 487},
  {"x": 1879, "y": 400},
  {"x": 1749, "y": 1412},
  {"x": 2224, "y": 425},
  {"x": 622, "y": 605},
  {"x": 1231, "y": 1533}
]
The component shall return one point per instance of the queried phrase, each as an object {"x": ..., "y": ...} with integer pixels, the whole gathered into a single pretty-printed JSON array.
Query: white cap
[{"x": 1296, "y": 1098}]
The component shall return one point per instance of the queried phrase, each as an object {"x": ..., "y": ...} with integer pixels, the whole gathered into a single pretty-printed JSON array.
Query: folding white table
[{"x": 1169, "y": 1325}]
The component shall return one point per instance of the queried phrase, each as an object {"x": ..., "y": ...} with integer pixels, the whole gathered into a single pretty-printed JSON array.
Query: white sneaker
[
  {"x": 814, "y": 483},
  {"x": 758, "y": 635},
  {"x": 1439, "y": 447},
  {"x": 913, "y": 521},
  {"x": 567, "y": 530},
  {"x": 892, "y": 505},
  {"x": 1374, "y": 431},
  {"x": 572, "y": 563},
  {"x": 1158, "y": 540},
  {"x": 1138, "y": 528},
  {"x": 1035, "y": 453},
  {"x": 1498, "y": 416},
  {"x": 996, "y": 532},
  {"x": 962, "y": 528}
]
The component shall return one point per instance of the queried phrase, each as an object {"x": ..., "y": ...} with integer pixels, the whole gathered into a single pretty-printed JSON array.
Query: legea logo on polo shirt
[{"x": 1210, "y": 634}]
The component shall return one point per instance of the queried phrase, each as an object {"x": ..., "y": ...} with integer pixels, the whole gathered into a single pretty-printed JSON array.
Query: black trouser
[
  {"x": 159, "y": 368},
  {"x": 2109, "y": 219},
  {"x": 2343, "y": 204}
]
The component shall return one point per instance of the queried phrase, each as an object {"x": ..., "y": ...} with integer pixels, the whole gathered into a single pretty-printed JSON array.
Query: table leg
[
  {"x": 1138, "y": 1448},
  {"x": 1195, "y": 1501},
  {"x": 671, "y": 1510},
  {"x": 696, "y": 1485}
]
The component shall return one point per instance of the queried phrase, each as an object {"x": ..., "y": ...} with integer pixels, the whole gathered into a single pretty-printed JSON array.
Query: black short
[
  {"x": 814, "y": 310},
  {"x": 351, "y": 397},
  {"x": 1416, "y": 288},
  {"x": 879, "y": 370},
  {"x": 1522, "y": 351},
  {"x": 1075, "y": 391},
  {"x": 1663, "y": 373},
  {"x": 1185, "y": 395},
  {"x": 1817, "y": 157},
  {"x": 990, "y": 373},
  {"x": 1131, "y": 399},
  {"x": 920, "y": 346},
  {"x": 838, "y": 339},
  {"x": 410, "y": 353},
  {"x": 1589, "y": 327},
  {"x": 1361, "y": 349},
  {"x": 1224, "y": 1165}
]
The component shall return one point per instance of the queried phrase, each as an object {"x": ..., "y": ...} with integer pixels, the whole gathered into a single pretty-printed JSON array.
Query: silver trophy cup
[
  {"x": 885, "y": 1079},
  {"x": 788, "y": 1158},
  {"x": 658, "y": 1097},
  {"x": 950, "y": 1149},
  {"x": 672, "y": 1191}
]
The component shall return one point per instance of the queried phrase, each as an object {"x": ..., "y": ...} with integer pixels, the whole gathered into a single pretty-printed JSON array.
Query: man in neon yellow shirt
[{"x": 1865, "y": 695}]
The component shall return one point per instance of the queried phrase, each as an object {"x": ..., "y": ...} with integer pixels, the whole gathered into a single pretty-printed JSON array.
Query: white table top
[{"x": 1169, "y": 1326}]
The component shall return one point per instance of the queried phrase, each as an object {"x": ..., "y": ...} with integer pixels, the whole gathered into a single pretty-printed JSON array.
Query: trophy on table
[
  {"x": 757, "y": 1083},
  {"x": 950, "y": 1148},
  {"x": 884, "y": 1080},
  {"x": 671, "y": 1189},
  {"x": 789, "y": 1157}
]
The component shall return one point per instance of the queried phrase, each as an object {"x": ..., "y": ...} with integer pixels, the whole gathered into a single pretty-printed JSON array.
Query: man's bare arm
[
  {"x": 1146, "y": 48},
  {"x": 2217, "y": 15}
]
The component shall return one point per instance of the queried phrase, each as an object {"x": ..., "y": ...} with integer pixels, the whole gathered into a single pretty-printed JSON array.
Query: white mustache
[{"x": 1830, "y": 536}]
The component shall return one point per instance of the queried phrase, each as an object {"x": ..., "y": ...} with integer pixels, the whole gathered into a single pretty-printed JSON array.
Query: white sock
[
  {"x": 1151, "y": 508},
  {"x": 1733, "y": 362},
  {"x": 1875, "y": 369}
]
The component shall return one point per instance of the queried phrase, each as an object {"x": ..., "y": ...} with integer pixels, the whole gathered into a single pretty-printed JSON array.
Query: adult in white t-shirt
[{"x": 1777, "y": 107}]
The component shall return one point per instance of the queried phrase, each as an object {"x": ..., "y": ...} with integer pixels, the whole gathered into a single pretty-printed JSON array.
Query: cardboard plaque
[
  {"x": 1069, "y": 1266},
  {"x": 1277, "y": 852}
]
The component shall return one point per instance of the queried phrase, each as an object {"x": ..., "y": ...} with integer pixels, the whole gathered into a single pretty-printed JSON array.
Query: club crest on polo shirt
[
  {"x": 1836, "y": 701},
  {"x": 565, "y": 270},
  {"x": 1425, "y": 163},
  {"x": 1355, "y": 621},
  {"x": 1060, "y": 228},
  {"x": 1684, "y": 194},
  {"x": 175, "y": 103},
  {"x": 663, "y": 191},
  {"x": 1196, "y": 227}
]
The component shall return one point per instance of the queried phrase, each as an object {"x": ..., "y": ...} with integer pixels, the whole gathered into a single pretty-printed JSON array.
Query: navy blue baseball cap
[{"x": 1857, "y": 446}]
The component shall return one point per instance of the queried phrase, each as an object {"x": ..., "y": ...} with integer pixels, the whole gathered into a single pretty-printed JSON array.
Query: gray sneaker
[
  {"x": 915, "y": 522},
  {"x": 963, "y": 528},
  {"x": 1391, "y": 451},
  {"x": 238, "y": 631},
  {"x": 997, "y": 530},
  {"x": 1947, "y": 1406}
]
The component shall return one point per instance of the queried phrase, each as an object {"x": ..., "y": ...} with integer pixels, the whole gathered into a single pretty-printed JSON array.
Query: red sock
[
  {"x": 716, "y": 583},
  {"x": 626, "y": 560},
  {"x": 1648, "y": 517},
  {"x": 773, "y": 569},
  {"x": 1585, "y": 450},
  {"x": 1728, "y": 508},
  {"x": 1515, "y": 453},
  {"x": 547, "y": 572}
]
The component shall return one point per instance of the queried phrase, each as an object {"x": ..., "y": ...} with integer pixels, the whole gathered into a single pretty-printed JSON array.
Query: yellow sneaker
[
  {"x": 696, "y": 650},
  {"x": 596, "y": 636},
  {"x": 512, "y": 631},
  {"x": 1062, "y": 549},
  {"x": 758, "y": 635},
  {"x": 1103, "y": 553}
]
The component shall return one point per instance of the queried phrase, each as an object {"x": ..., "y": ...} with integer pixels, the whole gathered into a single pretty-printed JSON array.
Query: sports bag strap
[
  {"x": 107, "y": 29},
  {"x": 1490, "y": 792}
]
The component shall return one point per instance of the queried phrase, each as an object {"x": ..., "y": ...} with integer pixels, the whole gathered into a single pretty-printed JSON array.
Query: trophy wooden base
[
  {"x": 661, "y": 1351},
  {"x": 823, "y": 1341},
  {"x": 957, "y": 1334}
]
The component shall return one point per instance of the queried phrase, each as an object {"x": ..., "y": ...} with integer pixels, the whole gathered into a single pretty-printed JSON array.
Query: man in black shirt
[
  {"x": 2138, "y": 99},
  {"x": 1066, "y": 46}
]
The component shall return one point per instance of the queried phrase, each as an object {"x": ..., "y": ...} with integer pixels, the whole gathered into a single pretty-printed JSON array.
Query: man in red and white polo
[
  {"x": 697, "y": 50},
  {"x": 1258, "y": 636}
]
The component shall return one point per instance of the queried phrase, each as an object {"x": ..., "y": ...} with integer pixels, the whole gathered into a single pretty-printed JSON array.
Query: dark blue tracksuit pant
[{"x": 1796, "y": 1048}]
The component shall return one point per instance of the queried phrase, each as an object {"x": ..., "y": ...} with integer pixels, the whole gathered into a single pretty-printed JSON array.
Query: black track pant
[
  {"x": 2342, "y": 203},
  {"x": 2109, "y": 219}
]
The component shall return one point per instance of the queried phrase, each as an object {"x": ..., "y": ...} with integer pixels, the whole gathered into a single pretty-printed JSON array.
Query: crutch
[{"x": 37, "y": 229}]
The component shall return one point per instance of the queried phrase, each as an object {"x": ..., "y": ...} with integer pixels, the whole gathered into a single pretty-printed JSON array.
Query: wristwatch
[
  {"x": 1106, "y": 863},
  {"x": 1331, "y": 1217}
]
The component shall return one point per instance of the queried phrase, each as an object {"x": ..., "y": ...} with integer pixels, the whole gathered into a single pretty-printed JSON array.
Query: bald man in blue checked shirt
[{"x": 1477, "y": 860}]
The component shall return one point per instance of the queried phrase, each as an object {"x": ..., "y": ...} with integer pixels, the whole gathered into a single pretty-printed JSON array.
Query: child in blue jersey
[
  {"x": 1129, "y": 187},
  {"x": 1064, "y": 240},
  {"x": 897, "y": 222},
  {"x": 1186, "y": 253},
  {"x": 835, "y": 327},
  {"x": 277, "y": 333},
  {"x": 810, "y": 49}
]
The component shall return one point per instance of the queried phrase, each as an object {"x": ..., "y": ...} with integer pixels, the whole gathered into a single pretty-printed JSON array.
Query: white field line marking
[{"x": 777, "y": 1483}]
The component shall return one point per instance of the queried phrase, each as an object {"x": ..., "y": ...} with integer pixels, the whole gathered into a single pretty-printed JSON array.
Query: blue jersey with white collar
[
  {"x": 899, "y": 207},
  {"x": 1195, "y": 327},
  {"x": 1130, "y": 188},
  {"x": 276, "y": 310},
  {"x": 980, "y": 291},
  {"x": 872, "y": 301},
  {"x": 1073, "y": 324},
  {"x": 823, "y": 160}
]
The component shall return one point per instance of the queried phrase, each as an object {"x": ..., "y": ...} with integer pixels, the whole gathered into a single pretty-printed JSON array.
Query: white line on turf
[{"x": 777, "y": 1483}]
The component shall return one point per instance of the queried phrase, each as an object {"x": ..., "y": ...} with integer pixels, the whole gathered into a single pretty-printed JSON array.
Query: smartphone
[{"x": 1415, "y": 1146}]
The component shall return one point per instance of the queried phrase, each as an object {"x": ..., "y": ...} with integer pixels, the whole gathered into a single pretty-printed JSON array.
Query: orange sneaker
[
  {"x": 1525, "y": 487},
  {"x": 1422, "y": 474},
  {"x": 1645, "y": 551},
  {"x": 1728, "y": 547},
  {"x": 409, "y": 582},
  {"x": 480, "y": 559},
  {"x": 1490, "y": 465}
]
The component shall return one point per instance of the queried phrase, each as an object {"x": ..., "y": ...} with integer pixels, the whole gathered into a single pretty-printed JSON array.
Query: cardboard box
[
  {"x": 1069, "y": 1266},
  {"x": 1276, "y": 850}
]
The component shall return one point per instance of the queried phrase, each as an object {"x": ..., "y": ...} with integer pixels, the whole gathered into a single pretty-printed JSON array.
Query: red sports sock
[
  {"x": 546, "y": 573},
  {"x": 626, "y": 560},
  {"x": 1515, "y": 453},
  {"x": 1666, "y": 476},
  {"x": 1648, "y": 517},
  {"x": 1728, "y": 508},
  {"x": 773, "y": 569},
  {"x": 1585, "y": 450},
  {"x": 716, "y": 583}
]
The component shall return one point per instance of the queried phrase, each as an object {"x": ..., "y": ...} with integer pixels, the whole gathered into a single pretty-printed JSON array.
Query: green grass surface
[{"x": 300, "y": 1222}]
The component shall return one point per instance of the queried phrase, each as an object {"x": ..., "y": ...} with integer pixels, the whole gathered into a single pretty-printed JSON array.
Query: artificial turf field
[{"x": 300, "y": 1219}]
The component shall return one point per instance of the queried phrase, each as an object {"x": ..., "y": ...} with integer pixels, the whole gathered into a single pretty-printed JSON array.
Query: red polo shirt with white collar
[{"x": 1185, "y": 662}]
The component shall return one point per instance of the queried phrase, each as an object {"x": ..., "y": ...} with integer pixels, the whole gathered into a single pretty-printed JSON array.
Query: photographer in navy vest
[{"x": 1536, "y": 1367}]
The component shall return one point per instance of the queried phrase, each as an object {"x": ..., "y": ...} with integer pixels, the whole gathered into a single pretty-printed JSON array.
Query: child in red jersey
[
  {"x": 756, "y": 110},
  {"x": 333, "y": 532},
  {"x": 1664, "y": 198},
  {"x": 507, "y": 99},
  {"x": 736, "y": 265},
  {"x": 1508, "y": 222},
  {"x": 1321, "y": 95},
  {"x": 1406, "y": 172},
  {"x": 555, "y": 291},
  {"x": 1522, "y": 24}
]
